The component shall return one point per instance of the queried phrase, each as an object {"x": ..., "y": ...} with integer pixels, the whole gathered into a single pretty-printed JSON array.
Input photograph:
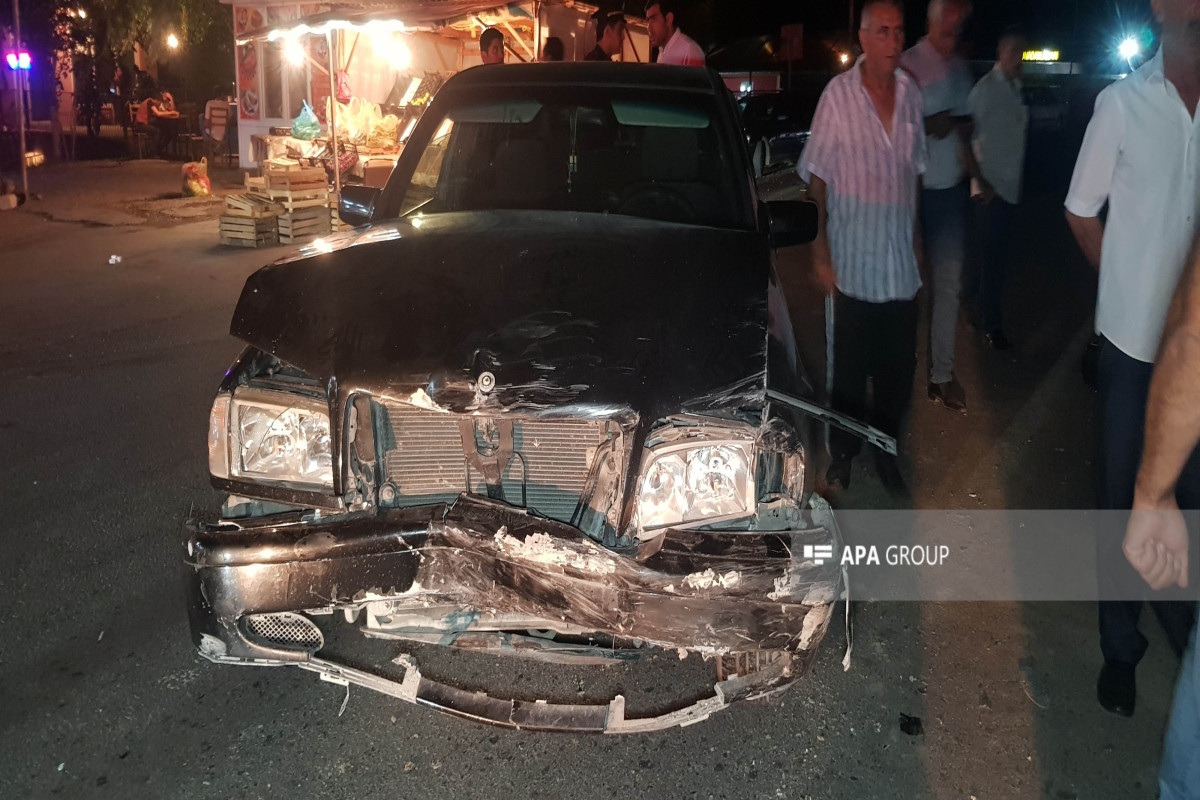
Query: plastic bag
[
  {"x": 195, "y": 179},
  {"x": 306, "y": 125},
  {"x": 343, "y": 87}
]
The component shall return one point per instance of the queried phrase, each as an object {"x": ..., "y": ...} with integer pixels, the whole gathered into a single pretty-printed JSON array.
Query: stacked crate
[
  {"x": 249, "y": 221},
  {"x": 303, "y": 193}
]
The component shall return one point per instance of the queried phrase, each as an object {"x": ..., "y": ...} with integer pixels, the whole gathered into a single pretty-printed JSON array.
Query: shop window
[{"x": 272, "y": 85}]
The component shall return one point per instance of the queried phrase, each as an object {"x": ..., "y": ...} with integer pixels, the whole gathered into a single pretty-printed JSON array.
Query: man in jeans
[
  {"x": 1140, "y": 157},
  {"x": 1156, "y": 542},
  {"x": 862, "y": 161},
  {"x": 945, "y": 84}
]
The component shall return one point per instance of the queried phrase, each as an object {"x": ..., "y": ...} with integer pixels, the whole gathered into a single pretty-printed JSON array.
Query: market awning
[{"x": 411, "y": 16}]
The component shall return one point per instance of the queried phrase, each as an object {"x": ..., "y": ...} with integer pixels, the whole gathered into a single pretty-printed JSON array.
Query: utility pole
[{"x": 20, "y": 76}]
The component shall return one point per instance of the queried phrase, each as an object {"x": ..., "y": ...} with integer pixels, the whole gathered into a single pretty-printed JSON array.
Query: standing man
[
  {"x": 862, "y": 161},
  {"x": 1140, "y": 157},
  {"x": 1000, "y": 119},
  {"x": 945, "y": 85},
  {"x": 674, "y": 46},
  {"x": 1156, "y": 542},
  {"x": 610, "y": 35},
  {"x": 491, "y": 46}
]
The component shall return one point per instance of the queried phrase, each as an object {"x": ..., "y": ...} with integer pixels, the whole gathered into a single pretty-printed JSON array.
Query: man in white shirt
[
  {"x": 862, "y": 161},
  {"x": 674, "y": 46},
  {"x": 1000, "y": 121},
  {"x": 945, "y": 85},
  {"x": 1140, "y": 157}
]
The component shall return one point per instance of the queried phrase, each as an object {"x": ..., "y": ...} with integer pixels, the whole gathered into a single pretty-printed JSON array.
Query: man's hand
[
  {"x": 1156, "y": 543},
  {"x": 823, "y": 270},
  {"x": 940, "y": 125},
  {"x": 987, "y": 192}
]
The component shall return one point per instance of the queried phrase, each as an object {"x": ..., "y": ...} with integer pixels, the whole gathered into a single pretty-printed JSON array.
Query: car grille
[
  {"x": 285, "y": 630},
  {"x": 427, "y": 463}
]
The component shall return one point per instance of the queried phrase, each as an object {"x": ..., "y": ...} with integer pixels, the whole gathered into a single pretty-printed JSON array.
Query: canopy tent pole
[{"x": 331, "y": 40}]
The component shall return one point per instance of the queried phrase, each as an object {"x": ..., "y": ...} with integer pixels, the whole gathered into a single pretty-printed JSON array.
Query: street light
[
  {"x": 1129, "y": 48},
  {"x": 172, "y": 41},
  {"x": 844, "y": 58}
]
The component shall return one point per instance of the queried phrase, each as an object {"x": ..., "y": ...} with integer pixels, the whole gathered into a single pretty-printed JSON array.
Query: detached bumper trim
[{"x": 610, "y": 718}]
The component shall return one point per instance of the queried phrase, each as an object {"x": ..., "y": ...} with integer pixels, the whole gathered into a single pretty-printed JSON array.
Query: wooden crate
[
  {"x": 302, "y": 224},
  {"x": 239, "y": 231},
  {"x": 250, "y": 205},
  {"x": 335, "y": 222}
]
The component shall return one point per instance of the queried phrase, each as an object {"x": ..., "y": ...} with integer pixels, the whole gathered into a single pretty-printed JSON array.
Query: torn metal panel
[{"x": 531, "y": 567}]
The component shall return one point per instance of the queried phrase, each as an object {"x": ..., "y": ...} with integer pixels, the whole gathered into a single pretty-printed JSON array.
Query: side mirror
[
  {"x": 357, "y": 204},
  {"x": 792, "y": 222}
]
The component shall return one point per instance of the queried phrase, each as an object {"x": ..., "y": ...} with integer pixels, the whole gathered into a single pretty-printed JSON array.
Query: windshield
[{"x": 629, "y": 152}]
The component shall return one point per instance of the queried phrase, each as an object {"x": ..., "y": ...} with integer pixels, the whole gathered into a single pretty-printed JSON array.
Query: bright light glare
[
  {"x": 392, "y": 49},
  {"x": 844, "y": 58},
  {"x": 293, "y": 51},
  {"x": 82, "y": 14},
  {"x": 11, "y": 58},
  {"x": 172, "y": 41},
  {"x": 1129, "y": 48}
]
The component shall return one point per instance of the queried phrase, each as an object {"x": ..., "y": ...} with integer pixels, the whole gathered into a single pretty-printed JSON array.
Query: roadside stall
[{"x": 339, "y": 88}]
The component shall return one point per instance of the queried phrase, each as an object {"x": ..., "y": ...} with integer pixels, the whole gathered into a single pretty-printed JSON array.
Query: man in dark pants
[
  {"x": 1000, "y": 122},
  {"x": 1124, "y": 385},
  {"x": 862, "y": 161},
  {"x": 1138, "y": 158}
]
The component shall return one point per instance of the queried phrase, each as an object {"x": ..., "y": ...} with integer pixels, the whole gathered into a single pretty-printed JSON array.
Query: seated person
[
  {"x": 156, "y": 118},
  {"x": 142, "y": 124}
]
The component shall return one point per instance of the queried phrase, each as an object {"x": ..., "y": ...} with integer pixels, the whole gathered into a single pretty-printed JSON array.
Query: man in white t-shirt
[
  {"x": 1140, "y": 157},
  {"x": 674, "y": 46}
]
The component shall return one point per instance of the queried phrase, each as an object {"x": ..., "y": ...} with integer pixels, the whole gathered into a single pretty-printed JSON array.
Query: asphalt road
[{"x": 108, "y": 370}]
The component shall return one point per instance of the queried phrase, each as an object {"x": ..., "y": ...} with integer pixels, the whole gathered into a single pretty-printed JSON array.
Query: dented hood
[{"x": 560, "y": 308}]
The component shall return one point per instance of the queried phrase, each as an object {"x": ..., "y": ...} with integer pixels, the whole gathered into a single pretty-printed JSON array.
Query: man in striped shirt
[{"x": 862, "y": 162}]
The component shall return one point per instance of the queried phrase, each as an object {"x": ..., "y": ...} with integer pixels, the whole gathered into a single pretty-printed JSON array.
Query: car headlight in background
[
  {"x": 695, "y": 484},
  {"x": 270, "y": 436}
]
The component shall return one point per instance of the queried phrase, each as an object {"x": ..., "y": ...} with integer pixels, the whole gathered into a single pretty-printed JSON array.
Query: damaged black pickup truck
[{"x": 546, "y": 393}]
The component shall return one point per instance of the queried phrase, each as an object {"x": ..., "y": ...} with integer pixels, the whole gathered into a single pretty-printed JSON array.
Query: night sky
[{"x": 1048, "y": 24}]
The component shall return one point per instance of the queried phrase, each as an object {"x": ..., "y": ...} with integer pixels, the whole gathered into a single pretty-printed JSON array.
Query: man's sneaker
[
  {"x": 950, "y": 394},
  {"x": 997, "y": 340},
  {"x": 837, "y": 477}
]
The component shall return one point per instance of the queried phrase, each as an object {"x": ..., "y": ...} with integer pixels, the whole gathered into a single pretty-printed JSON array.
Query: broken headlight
[
  {"x": 696, "y": 484},
  {"x": 275, "y": 437}
]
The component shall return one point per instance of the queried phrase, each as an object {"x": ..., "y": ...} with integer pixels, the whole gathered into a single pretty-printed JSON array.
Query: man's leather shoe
[
  {"x": 1117, "y": 690},
  {"x": 997, "y": 340},
  {"x": 889, "y": 475},
  {"x": 950, "y": 394}
]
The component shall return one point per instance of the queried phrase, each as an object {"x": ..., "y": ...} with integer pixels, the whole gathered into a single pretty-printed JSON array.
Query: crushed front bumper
[{"x": 715, "y": 593}]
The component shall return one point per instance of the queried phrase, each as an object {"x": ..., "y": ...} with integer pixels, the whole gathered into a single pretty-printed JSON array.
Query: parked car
[
  {"x": 777, "y": 127},
  {"x": 549, "y": 384},
  {"x": 1047, "y": 109}
]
